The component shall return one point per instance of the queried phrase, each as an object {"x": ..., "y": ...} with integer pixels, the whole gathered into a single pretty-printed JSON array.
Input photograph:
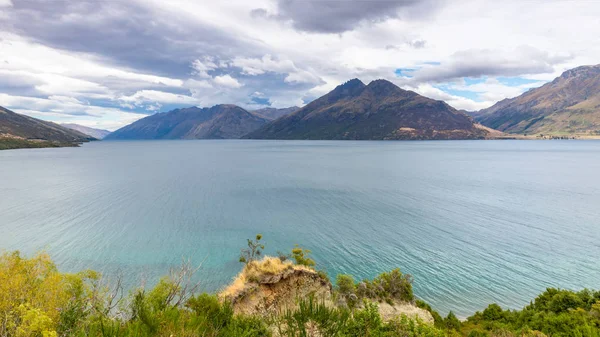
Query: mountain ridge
[
  {"x": 93, "y": 132},
  {"x": 377, "y": 111},
  {"x": 21, "y": 131},
  {"x": 222, "y": 121},
  {"x": 569, "y": 104}
]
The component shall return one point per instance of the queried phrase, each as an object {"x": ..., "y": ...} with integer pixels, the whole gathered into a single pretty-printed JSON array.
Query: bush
[
  {"x": 346, "y": 289},
  {"x": 452, "y": 322},
  {"x": 301, "y": 257}
]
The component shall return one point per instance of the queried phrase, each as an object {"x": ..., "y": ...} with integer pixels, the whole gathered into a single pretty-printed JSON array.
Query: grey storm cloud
[
  {"x": 19, "y": 84},
  {"x": 338, "y": 16},
  {"x": 524, "y": 60},
  {"x": 122, "y": 33}
]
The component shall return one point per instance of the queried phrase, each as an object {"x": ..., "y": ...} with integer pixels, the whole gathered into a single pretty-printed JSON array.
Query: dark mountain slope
[
  {"x": 218, "y": 122},
  {"x": 570, "y": 104},
  {"x": 274, "y": 113},
  {"x": 25, "y": 131},
  {"x": 380, "y": 110}
]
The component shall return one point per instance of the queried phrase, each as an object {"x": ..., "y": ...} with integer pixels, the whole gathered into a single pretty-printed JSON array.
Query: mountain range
[
  {"x": 19, "y": 131},
  {"x": 379, "y": 110},
  {"x": 96, "y": 133},
  {"x": 570, "y": 104},
  {"x": 222, "y": 121}
]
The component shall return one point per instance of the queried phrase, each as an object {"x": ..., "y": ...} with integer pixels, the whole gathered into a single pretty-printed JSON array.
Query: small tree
[
  {"x": 452, "y": 322},
  {"x": 301, "y": 257},
  {"x": 253, "y": 251},
  {"x": 346, "y": 289}
]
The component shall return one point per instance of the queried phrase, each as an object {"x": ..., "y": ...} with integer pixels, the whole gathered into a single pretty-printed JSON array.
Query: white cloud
[
  {"x": 259, "y": 66},
  {"x": 456, "y": 102},
  {"x": 143, "y": 97},
  {"x": 195, "y": 84},
  {"x": 487, "y": 62},
  {"x": 5, "y": 3},
  {"x": 203, "y": 66},
  {"x": 227, "y": 81},
  {"x": 492, "y": 90}
]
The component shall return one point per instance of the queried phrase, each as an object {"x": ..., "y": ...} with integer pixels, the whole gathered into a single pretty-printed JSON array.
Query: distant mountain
[
  {"x": 96, "y": 133},
  {"x": 380, "y": 110},
  {"x": 219, "y": 122},
  {"x": 570, "y": 104},
  {"x": 18, "y": 131},
  {"x": 274, "y": 113}
]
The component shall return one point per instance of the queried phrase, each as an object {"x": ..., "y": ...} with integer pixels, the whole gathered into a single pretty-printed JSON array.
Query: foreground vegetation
[{"x": 37, "y": 300}]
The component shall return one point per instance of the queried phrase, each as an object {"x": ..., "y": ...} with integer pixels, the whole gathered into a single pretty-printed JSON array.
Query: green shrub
[
  {"x": 301, "y": 256},
  {"x": 452, "y": 322}
]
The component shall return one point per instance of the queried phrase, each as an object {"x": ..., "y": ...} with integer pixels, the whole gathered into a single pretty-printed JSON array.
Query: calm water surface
[{"x": 473, "y": 221}]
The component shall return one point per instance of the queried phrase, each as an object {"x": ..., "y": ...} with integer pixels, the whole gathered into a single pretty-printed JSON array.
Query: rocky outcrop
[
  {"x": 390, "y": 312},
  {"x": 272, "y": 294}
]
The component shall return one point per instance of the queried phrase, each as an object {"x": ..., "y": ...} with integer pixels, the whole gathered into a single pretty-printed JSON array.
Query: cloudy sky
[{"x": 106, "y": 63}]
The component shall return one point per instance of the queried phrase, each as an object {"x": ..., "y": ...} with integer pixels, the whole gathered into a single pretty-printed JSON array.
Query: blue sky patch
[
  {"x": 515, "y": 81},
  {"x": 261, "y": 100},
  {"x": 472, "y": 81},
  {"x": 446, "y": 87},
  {"x": 404, "y": 72}
]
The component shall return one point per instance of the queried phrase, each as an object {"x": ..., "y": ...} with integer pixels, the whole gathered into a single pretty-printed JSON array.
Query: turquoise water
[{"x": 473, "y": 221}]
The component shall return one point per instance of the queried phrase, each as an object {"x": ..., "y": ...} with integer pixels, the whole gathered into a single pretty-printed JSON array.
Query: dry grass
[{"x": 253, "y": 272}]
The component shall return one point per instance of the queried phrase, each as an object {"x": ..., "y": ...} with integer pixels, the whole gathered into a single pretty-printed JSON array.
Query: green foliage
[
  {"x": 37, "y": 300},
  {"x": 253, "y": 252},
  {"x": 346, "y": 290},
  {"x": 555, "y": 312},
  {"x": 214, "y": 318},
  {"x": 388, "y": 287},
  {"x": 317, "y": 319},
  {"x": 301, "y": 257},
  {"x": 451, "y": 322},
  {"x": 310, "y": 317}
]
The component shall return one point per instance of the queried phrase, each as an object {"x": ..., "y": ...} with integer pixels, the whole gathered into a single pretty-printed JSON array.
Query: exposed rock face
[
  {"x": 274, "y": 294},
  {"x": 389, "y": 312}
]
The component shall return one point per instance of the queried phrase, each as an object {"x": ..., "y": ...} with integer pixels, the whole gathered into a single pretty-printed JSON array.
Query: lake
[{"x": 474, "y": 222}]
